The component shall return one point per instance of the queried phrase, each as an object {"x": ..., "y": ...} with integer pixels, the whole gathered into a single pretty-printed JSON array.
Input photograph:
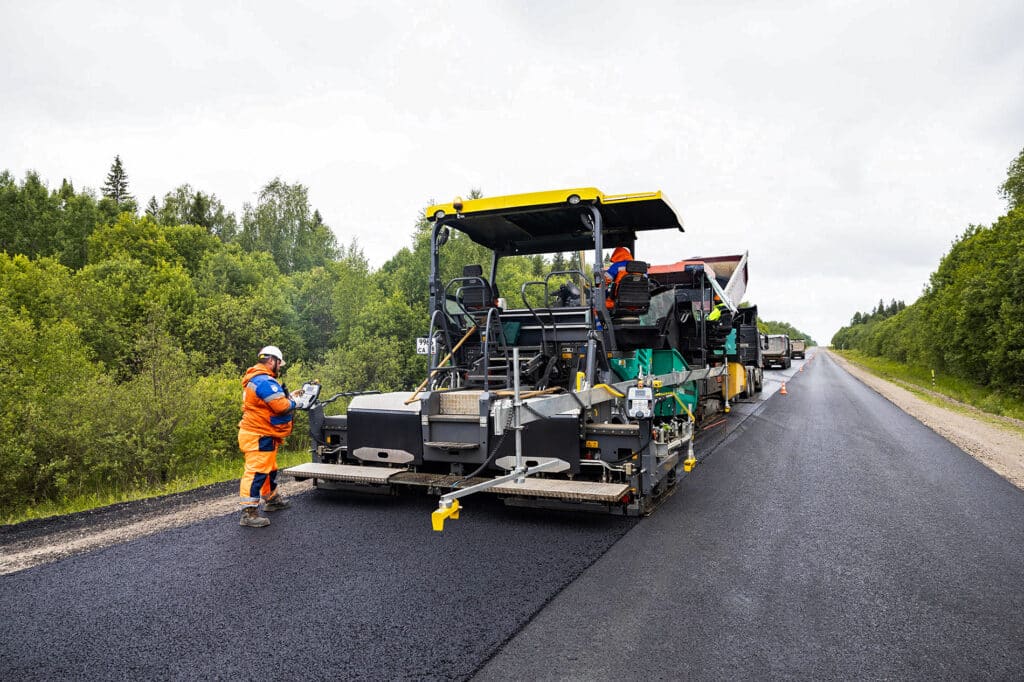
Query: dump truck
[
  {"x": 578, "y": 391},
  {"x": 778, "y": 352},
  {"x": 799, "y": 348}
]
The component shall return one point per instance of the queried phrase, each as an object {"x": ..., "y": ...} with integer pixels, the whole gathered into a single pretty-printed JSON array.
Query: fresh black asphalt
[
  {"x": 335, "y": 588},
  {"x": 828, "y": 535},
  {"x": 832, "y": 536}
]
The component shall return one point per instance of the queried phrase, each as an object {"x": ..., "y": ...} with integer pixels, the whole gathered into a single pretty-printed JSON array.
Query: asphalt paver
[
  {"x": 830, "y": 536},
  {"x": 335, "y": 588}
]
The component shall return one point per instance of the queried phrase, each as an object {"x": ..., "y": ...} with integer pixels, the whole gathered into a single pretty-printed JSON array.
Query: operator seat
[
  {"x": 631, "y": 293},
  {"x": 475, "y": 295}
]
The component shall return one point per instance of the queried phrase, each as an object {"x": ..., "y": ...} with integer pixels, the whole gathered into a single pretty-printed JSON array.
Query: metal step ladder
[{"x": 499, "y": 369}]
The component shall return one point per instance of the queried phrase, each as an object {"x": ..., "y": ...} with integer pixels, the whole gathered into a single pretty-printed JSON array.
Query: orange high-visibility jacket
[
  {"x": 266, "y": 408},
  {"x": 615, "y": 272}
]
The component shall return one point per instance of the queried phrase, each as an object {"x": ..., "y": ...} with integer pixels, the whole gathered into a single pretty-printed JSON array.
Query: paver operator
[{"x": 267, "y": 411}]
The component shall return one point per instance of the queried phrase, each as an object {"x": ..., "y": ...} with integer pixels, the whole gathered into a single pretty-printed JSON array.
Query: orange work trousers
[{"x": 259, "y": 480}]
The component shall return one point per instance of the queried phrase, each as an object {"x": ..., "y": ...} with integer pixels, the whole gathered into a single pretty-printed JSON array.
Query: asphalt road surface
[
  {"x": 831, "y": 536},
  {"x": 825, "y": 534},
  {"x": 334, "y": 588}
]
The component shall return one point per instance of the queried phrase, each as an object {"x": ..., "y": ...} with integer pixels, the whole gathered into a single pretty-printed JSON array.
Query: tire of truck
[{"x": 788, "y": 364}]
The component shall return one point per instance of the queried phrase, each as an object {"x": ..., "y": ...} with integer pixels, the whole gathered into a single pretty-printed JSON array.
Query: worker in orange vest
[
  {"x": 267, "y": 412},
  {"x": 616, "y": 271}
]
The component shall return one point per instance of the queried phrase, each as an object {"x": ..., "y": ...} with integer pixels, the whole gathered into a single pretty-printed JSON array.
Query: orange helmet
[{"x": 620, "y": 254}]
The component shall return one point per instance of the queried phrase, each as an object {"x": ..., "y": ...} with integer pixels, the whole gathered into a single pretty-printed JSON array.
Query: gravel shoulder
[
  {"x": 41, "y": 541},
  {"x": 996, "y": 442}
]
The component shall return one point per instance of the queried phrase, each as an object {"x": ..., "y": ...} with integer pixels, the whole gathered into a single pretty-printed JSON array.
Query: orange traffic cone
[
  {"x": 801, "y": 368},
  {"x": 783, "y": 391}
]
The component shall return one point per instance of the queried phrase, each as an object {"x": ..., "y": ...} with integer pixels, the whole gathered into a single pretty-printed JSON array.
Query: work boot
[
  {"x": 276, "y": 503},
  {"x": 251, "y": 518}
]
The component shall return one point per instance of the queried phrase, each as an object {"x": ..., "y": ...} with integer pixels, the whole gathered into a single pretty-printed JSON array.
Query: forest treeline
[
  {"x": 124, "y": 331},
  {"x": 774, "y": 327},
  {"x": 969, "y": 322}
]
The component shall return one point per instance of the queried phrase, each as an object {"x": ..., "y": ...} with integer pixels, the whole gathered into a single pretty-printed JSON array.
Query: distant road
[{"x": 827, "y": 535}]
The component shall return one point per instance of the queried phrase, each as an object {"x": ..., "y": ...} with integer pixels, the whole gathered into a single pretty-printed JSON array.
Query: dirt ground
[
  {"x": 32, "y": 543},
  {"x": 996, "y": 442}
]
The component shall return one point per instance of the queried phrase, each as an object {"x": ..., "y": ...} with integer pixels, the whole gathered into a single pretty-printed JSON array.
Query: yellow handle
[
  {"x": 441, "y": 513},
  {"x": 678, "y": 400},
  {"x": 610, "y": 390}
]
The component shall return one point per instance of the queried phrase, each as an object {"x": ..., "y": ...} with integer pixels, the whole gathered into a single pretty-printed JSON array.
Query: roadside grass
[
  {"x": 979, "y": 397},
  {"x": 216, "y": 472}
]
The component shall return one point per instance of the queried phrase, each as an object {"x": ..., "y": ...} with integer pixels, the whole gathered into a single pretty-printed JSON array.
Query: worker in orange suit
[
  {"x": 267, "y": 412},
  {"x": 616, "y": 271}
]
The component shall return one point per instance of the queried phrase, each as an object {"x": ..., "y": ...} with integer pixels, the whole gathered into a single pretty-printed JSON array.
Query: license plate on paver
[{"x": 424, "y": 347}]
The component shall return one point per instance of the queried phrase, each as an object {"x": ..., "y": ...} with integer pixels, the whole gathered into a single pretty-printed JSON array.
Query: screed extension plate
[
  {"x": 570, "y": 491},
  {"x": 549, "y": 488},
  {"x": 342, "y": 472}
]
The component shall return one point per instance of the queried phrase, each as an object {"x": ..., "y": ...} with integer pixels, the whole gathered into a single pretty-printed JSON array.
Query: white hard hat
[{"x": 272, "y": 351}]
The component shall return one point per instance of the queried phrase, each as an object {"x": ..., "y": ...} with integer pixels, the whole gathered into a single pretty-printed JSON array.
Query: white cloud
[{"x": 844, "y": 144}]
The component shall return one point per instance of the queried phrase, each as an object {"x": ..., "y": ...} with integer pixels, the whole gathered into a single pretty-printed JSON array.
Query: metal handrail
[
  {"x": 486, "y": 348},
  {"x": 477, "y": 280},
  {"x": 540, "y": 323},
  {"x": 430, "y": 335}
]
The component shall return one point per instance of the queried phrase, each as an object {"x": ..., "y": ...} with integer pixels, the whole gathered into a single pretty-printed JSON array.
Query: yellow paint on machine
[
  {"x": 737, "y": 380},
  {"x": 548, "y": 198}
]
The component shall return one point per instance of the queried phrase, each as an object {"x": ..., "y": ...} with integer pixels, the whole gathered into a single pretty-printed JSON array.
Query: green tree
[
  {"x": 773, "y": 327},
  {"x": 28, "y": 216},
  {"x": 1013, "y": 188},
  {"x": 37, "y": 222},
  {"x": 282, "y": 224},
  {"x": 116, "y": 187},
  {"x": 328, "y": 299},
  {"x": 77, "y": 217},
  {"x": 232, "y": 271},
  {"x": 109, "y": 307},
  {"x": 187, "y": 206},
  {"x": 130, "y": 237},
  {"x": 191, "y": 245},
  {"x": 353, "y": 289},
  {"x": 313, "y": 306},
  {"x": 55, "y": 404},
  {"x": 37, "y": 287},
  {"x": 244, "y": 303}
]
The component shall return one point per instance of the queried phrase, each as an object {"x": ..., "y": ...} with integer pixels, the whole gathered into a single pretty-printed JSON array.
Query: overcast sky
[{"x": 843, "y": 144}]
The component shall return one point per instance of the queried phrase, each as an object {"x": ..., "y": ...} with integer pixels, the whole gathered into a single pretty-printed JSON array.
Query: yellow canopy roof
[{"x": 546, "y": 222}]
